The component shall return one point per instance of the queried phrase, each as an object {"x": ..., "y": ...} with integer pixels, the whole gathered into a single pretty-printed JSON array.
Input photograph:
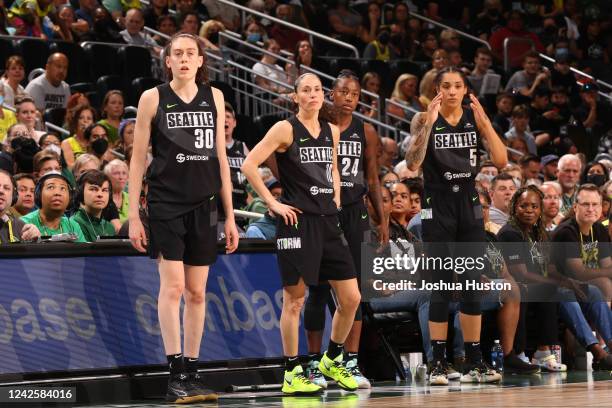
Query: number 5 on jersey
[{"x": 204, "y": 138}]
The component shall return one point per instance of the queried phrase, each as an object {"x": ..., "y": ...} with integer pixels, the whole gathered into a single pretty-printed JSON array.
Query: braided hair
[{"x": 538, "y": 231}]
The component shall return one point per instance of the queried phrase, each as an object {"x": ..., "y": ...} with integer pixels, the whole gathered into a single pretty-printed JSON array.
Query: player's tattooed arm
[{"x": 420, "y": 131}]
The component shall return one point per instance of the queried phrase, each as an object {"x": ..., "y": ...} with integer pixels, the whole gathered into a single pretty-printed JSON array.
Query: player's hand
[
  {"x": 479, "y": 113},
  {"x": 383, "y": 233},
  {"x": 29, "y": 232},
  {"x": 231, "y": 236},
  {"x": 137, "y": 235},
  {"x": 433, "y": 109},
  {"x": 287, "y": 212}
]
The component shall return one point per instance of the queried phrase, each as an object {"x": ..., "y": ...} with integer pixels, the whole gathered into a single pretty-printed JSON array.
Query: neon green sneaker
[
  {"x": 335, "y": 370},
  {"x": 295, "y": 383}
]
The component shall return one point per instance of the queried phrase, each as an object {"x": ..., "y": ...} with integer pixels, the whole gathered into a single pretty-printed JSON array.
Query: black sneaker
[
  {"x": 204, "y": 394},
  {"x": 514, "y": 365},
  {"x": 180, "y": 390},
  {"x": 605, "y": 364}
]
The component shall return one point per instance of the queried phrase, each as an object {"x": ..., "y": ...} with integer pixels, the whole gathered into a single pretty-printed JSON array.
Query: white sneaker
[
  {"x": 481, "y": 373},
  {"x": 353, "y": 367},
  {"x": 548, "y": 362},
  {"x": 315, "y": 375},
  {"x": 439, "y": 374}
]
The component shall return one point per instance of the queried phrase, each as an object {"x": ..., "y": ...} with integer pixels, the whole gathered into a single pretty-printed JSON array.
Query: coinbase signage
[{"x": 98, "y": 312}]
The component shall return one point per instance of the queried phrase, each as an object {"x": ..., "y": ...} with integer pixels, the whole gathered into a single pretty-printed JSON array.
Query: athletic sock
[
  {"x": 314, "y": 357},
  {"x": 176, "y": 363},
  {"x": 191, "y": 365},
  {"x": 291, "y": 363},
  {"x": 473, "y": 353},
  {"x": 334, "y": 349},
  {"x": 439, "y": 350},
  {"x": 350, "y": 356}
]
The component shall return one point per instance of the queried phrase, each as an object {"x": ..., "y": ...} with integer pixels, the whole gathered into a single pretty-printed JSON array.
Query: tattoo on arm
[{"x": 420, "y": 131}]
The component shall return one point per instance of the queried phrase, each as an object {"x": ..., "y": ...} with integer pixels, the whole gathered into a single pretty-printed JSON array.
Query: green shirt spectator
[
  {"x": 66, "y": 226},
  {"x": 93, "y": 227}
]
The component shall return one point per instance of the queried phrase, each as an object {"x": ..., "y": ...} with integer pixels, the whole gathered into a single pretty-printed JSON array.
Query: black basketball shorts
[
  {"x": 314, "y": 249},
  {"x": 191, "y": 237}
]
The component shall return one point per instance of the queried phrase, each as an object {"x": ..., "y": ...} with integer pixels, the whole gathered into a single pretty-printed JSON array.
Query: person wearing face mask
[
  {"x": 7, "y": 117},
  {"x": 379, "y": 48},
  {"x": 286, "y": 37},
  {"x": 97, "y": 139},
  {"x": 595, "y": 173}
]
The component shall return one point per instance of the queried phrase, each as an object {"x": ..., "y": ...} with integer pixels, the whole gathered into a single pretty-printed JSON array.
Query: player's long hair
[
  {"x": 202, "y": 73},
  {"x": 538, "y": 231}
]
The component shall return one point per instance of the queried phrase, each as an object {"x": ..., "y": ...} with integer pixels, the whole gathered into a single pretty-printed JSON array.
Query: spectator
[
  {"x": 14, "y": 73},
  {"x": 254, "y": 33},
  {"x": 18, "y": 130},
  {"x": 75, "y": 100},
  {"x": 25, "y": 199},
  {"x": 482, "y": 65},
  {"x": 46, "y": 161},
  {"x": 236, "y": 153},
  {"x": 112, "y": 112},
  {"x": 98, "y": 144},
  {"x": 84, "y": 163},
  {"x": 52, "y": 142},
  {"x": 371, "y": 22},
  {"x": 517, "y": 148},
  {"x": 426, "y": 89},
  {"x": 540, "y": 112},
  {"x": 551, "y": 215},
  {"x": 401, "y": 206},
  {"x": 105, "y": 28},
  {"x": 502, "y": 119},
  {"x": 92, "y": 196},
  {"x": 117, "y": 171},
  {"x": 595, "y": 173},
  {"x": 69, "y": 28},
  {"x": 503, "y": 188},
  {"x": 76, "y": 145},
  {"x": 189, "y": 23},
  {"x": 593, "y": 116},
  {"x": 371, "y": 83},
  {"x": 265, "y": 227},
  {"x": 520, "y": 128},
  {"x": 134, "y": 34},
  {"x": 23, "y": 151},
  {"x": 526, "y": 81},
  {"x": 86, "y": 10},
  {"x": 27, "y": 114},
  {"x": 210, "y": 34},
  {"x": 286, "y": 37},
  {"x": 7, "y": 117},
  {"x": 267, "y": 68},
  {"x": 453, "y": 12},
  {"x": 50, "y": 90},
  {"x": 304, "y": 57},
  {"x": 228, "y": 16},
  {"x": 167, "y": 25},
  {"x": 530, "y": 166},
  {"x": 449, "y": 40},
  {"x": 390, "y": 153},
  {"x": 591, "y": 46},
  {"x": 515, "y": 171},
  {"x": 561, "y": 76},
  {"x": 346, "y": 25},
  {"x": 142, "y": 212},
  {"x": 549, "y": 167},
  {"x": 429, "y": 44},
  {"x": 569, "y": 174},
  {"x": 405, "y": 93},
  {"x": 379, "y": 48},
  {"x": 52, "y": 197},
  {"x": 514, "y": 28},
  {"x": 26, "y": 17},
  {"x": 489, "y": 20},
  {"x": 118, "y": 8},
  {"x": 126, "y": 133},
  {"x": 154, "y": 11},
  {"x": 12, "y": 229}
]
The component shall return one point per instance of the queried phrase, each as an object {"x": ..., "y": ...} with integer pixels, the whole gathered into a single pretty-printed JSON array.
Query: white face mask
[{"x": 55, "y": 149}]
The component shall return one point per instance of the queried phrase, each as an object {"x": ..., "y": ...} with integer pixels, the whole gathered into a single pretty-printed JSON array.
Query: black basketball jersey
[
  {"x": 235, "y": 158},
  {"x": 351, "y": 157},
  {"x": 185, "y": 167},
  {"x": 452, "y": 152},
  {"x": 305, "y": 170}
]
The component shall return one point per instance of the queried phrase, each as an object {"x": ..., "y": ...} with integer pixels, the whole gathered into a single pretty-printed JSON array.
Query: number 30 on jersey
[{"x": 204, "y": 138}]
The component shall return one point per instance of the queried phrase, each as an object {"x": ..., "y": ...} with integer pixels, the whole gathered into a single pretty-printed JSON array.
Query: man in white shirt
[
  {"x": 133, "y": 34},
  {"x": 50, "y": 90}
]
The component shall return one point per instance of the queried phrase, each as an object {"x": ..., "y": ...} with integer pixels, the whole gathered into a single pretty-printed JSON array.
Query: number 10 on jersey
[{"x": 204, "y": 138}]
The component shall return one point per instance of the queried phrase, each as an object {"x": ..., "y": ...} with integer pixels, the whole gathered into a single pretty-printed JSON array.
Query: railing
[
  {"x": 245, "y": 10},
  {"x": 510, "y": 41},
  {"x": 391, "y": 118}
]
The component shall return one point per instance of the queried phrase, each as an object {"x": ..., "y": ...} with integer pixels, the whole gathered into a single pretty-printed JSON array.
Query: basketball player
[
  {"x": 358, "y": 175},
  {"x": 184, "y": 120},
  {"x": 446, "y": 140},
  {"x": 308, "y": 236}
]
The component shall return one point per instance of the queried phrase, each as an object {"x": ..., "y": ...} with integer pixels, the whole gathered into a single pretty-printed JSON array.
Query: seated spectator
[
  {"x": 267, "y": 68},
  {"x": 105, "y": 28},
  {"x": 84, "y": 163},
  {"x": 50, "y": 90},
  {"x": 70, "y": 29},
  {"x": 551, "y": 216},
  {"x": 7, "y": 117},
  {"x": 154, "y": 11},
  {"x": 429, "y": 44},
  {"x": 228, "y": 16},
  {"x": 265, "y": 227},
  {"x": 253, "y": 33},
  {"x": 76, "y": 145},
  {"x": 112, "y": 112},
  {"x": 514, "y": 28},
  {"x": 514, "y": 170},
  {"x": 482, "y": 65},
  {"x": 371, "y": 83},
  {"x": 46, "y": 161},
  {"x": 390, "y": 152},
  {"x": 117, "y": 171},
  {"x": 52, "y": 198},
  {"x": 379, "y": 49},
  {"x": 594, "y": 116},
  {"x": 540, "y": 112},
  {"x": 371, "y": 22},
  {"x": 401, "y": 205},
  {"x": 592, "y": 46},
  {"x": 549, "y": 167},
  {"x": 97, "y": 142},
  {"x": 27, "y": 114},
  {"x": 118, "y": 8},
  {"x": 236, "y": 153},
  {"x": 520, "y": 128},
  {"x": 526, "y": 81},
  {"x": 530, "y": 166},
  {"x": 92, "y": 196},
  {"x": 12, "y": 229},
  {"x": 595, "y": 173},
  {"x": 562, "y": 76},
  {"x": 426, "y": 88},
  {"x": 489, "y": 20},
  {"x": 569, "y": 175},
  {"x": 86, "y": 10},
  {"x": 126, "y": 133},
  {"x": 189, "y": 23},
  {"x": 75, "y": 100},
  {"x": 26, "y": 17},
  {"x": 405, "y": 93},
  {"x": 52, "y": 142},
  {"x": 210, "y": 34},
  {"x": 134, "y": 33},
  {"x": 345, "y": 23},
  {"x": 167, "y": 25},
  {"x": 503, "y": 188},
  {"x": 286, "y": 37},
  {"x": 25, "y": 199},
  {"x": 14, "y": 73},
  {"x": 304, "y": 56},
  {"x": 505, "y": 104},
  {"x": 517, "y": 148}
]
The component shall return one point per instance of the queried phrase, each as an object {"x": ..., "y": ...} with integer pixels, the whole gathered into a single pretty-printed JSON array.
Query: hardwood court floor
[{"x": 574, "y": 389}]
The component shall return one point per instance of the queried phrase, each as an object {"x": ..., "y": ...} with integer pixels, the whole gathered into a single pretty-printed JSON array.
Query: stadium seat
[
  {"x": 82, "y": 87},
  {"x": 7, "y": 48},
  {"x": 135, "y": 63},
  {"x": 55, "y": 116},
  {"x": 139, "y": 85},
  {"x": 102, "y": 59},
  {"x": 338, "y": 64},
  {"x": 34, "y": 52},
  {"x": 399, "y": 67},
  {"x": 78, "y": 66},
  {"x": 108, "y": 83}
]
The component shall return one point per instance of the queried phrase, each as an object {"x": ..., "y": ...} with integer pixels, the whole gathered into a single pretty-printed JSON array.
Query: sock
[
  {"x": 473, "y": 352},
  {"x": 334, "y": 349},
  {"x": 541, "y": 354},
  {"x": 350, "y": 356},
  {"x": 314, "y": 356},
  {"x": 439, "y": 350},
  {"x": 191, "y": 365},
  {"x": 176, "y": 363},
  {"x": 291, "y": 363}
]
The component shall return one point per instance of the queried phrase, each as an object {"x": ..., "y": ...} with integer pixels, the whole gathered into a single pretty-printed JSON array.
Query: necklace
[
  {"x": 46, "y": 230},
  {"x": 91, "y": 225}
]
